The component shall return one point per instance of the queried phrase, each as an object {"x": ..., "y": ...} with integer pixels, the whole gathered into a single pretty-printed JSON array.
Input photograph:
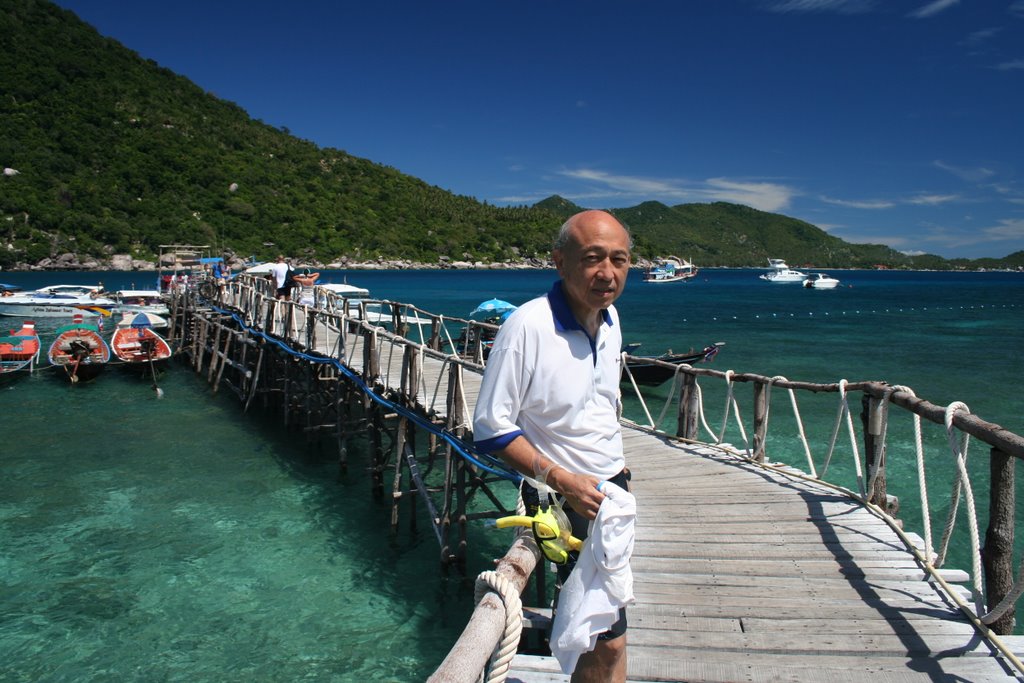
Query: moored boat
[
  {"x": 820, "y": 281},
  {"x": 141, "y": 300},
  {"x": 19, "y": 350},
  {"x": 136, "y": 343},
  {"x": 80, "y": 350},
  {"x": 781, "y": 273},
  {"x": 58, "y": 301},
  {"x": 671, "y": 269},
  {"x": 645, "y": 371}
]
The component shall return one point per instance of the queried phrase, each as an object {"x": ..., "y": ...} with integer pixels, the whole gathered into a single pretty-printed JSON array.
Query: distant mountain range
[{"x": 105, "y": 153}]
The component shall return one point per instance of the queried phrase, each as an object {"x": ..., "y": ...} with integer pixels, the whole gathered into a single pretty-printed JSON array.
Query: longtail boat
[
  {"x": 19, "y": 350},
  {"x": 136, "y": 343},
  {"x": 80, "y": 349}
]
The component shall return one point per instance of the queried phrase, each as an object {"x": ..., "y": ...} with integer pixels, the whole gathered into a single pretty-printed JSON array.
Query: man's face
[{"x": 594, "y": 264}]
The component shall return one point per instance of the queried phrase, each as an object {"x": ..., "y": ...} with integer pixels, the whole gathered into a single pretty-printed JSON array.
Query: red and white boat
[
  {"x": 19, "y": 350},
  {"x": 136, "y": 343},
  {"x": 80, "y": 350}
]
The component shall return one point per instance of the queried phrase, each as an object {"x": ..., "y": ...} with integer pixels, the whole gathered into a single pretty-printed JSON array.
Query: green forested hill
[{"x": 115, "y": 154}]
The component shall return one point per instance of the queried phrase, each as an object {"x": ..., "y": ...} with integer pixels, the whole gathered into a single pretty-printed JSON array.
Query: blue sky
[{"x": 886, "y": 121}]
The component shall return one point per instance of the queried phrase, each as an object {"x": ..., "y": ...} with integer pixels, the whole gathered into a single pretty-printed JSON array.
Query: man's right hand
[{"x": 579, "y": 490}]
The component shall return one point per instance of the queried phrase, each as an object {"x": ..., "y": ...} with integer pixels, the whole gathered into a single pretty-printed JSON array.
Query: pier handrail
[
  {"x": 298, "y": 323},
  {"x": 999, "y": 590}
]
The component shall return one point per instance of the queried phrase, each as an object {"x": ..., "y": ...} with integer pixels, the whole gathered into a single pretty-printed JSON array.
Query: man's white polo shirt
[{"x": 547, "y": 380}]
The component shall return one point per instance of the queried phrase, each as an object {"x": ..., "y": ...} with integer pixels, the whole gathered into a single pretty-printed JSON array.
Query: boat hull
[
  {"x": 781, "y": 273},
  {"x": 43, "y": 309},
  {"x": 80, "y": 351},
  {"x": 19, "y": 351},
  {"x": 139, "y": 347},
  {"x": 671, "y": 270},
  {"x": 647, "y": 373}
]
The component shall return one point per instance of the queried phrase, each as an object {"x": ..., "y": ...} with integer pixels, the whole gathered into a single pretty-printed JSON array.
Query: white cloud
[
  {"x": 1013, "y": 65},
  {"x": 1017, "y": 8},
  {"x": 860, "y": 203},
  {"x": 1006, "y": 229},
  {"x": 974, "y": 175},
  {"x": 877, "y": 204},
  {"x": 763, "y": 196},
  {"x": 933, "y": 8},
  {"x": 979, "y": 37},
  {"x": 630, "y": 184},
  {"x": 932, "y": 199},
  {"x": 837, "y": 6},
  {"x": 759, "y": 195}
]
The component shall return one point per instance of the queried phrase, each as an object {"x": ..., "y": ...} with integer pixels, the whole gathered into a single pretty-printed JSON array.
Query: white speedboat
[
  {"x": 58, "y": 301},
  {"x": 141, "y": 301},
  {"x": 781, "y": 273},
  {"x": 820, "y": 281}
]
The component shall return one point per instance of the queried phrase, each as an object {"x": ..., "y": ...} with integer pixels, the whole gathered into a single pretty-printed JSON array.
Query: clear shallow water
[{"x": 178, "y": 539}]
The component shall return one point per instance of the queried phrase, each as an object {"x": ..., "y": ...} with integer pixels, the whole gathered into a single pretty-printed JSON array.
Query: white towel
[{"x": 601, "y": 582}]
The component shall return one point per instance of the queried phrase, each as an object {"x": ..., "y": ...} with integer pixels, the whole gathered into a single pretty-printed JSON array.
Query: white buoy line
[{"x": 875, "y": 311}]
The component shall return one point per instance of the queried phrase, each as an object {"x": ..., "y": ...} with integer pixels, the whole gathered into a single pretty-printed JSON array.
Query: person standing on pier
[
  {"x": 549, "y": 401},
  {"x": 280, "y": 272}
]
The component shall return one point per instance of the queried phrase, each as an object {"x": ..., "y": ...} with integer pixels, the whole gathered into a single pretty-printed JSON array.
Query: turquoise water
[{"x": 175, "y": 538}]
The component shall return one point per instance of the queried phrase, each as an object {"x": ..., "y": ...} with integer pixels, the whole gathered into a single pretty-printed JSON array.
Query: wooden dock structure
[{"x": 744, "y": 570}]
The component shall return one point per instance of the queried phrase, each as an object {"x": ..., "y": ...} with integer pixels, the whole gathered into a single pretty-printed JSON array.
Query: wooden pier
[{"x": 744, "y": 570}]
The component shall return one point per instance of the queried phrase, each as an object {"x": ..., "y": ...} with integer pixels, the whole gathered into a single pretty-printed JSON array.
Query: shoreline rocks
[{"x": 126, "y": 263}]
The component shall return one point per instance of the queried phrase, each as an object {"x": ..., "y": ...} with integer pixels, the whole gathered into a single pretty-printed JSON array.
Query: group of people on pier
[{"x": 289, "y": 283}]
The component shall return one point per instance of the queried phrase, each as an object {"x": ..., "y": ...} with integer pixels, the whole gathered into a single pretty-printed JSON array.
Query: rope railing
[{"x": 959, "y": 425}]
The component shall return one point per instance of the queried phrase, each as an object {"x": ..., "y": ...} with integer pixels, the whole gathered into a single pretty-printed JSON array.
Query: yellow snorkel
[{"x": 551, "y": 530}]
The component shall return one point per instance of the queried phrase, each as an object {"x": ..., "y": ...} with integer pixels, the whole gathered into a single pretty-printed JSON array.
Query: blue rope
[{"x": 484, "y": 461}]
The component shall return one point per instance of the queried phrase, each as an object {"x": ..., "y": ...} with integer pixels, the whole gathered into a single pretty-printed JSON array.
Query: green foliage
[{"x": 117, "y": 155}]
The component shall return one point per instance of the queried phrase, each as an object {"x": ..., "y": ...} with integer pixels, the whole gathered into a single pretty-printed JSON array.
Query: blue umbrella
[{"x": 492, "y": 308}]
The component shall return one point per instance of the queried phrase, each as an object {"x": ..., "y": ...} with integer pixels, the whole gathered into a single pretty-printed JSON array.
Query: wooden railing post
[
  {"x": 689, "y": 409},
  {"x": 874, "y": 415},
  {"x": 371, "y": 369},
  {"x": 761, "y": 398},
  {"x": 455, "y": 505},
  {"x": 997, "y": 555}
]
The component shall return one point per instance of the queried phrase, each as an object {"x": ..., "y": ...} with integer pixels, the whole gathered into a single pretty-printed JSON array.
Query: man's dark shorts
[{"x": 580, "y": 526}]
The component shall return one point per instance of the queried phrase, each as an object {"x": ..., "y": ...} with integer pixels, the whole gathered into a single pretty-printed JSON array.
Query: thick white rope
[
  {"x": 643, "y": 403},
  {"x": 448, "y": 335},
  {"x": 1009, "y": 599},
  {"x": 922, "y": 479},
  {"x": 844, "y": 411},
  {"x": 677, "y": 384},
  {"x": 465, "y": 405},
  {"x": 796, "y": 415},
  {"x": 498, "y": 666},
  {"x": 801, "y": 432},
  {"x": 730, "y": 401},
  {"x": 959, "y": 449},
  {"x": 703, "y": 418}
]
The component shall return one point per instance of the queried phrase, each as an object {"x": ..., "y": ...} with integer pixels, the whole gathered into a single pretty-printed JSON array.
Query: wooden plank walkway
[{"x": 746, "y": 574}]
